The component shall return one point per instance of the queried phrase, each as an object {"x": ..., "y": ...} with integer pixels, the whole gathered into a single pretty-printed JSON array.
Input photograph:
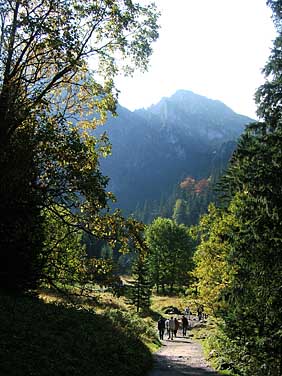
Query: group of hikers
[{"x": 171, "y": 326}]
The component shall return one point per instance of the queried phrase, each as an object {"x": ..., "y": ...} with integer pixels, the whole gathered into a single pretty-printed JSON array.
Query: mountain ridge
[{"x": 154, "y": 148}]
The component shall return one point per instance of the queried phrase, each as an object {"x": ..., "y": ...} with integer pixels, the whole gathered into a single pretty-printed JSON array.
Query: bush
[
  {"x": 221, "y": 353},
  {"x": 131, "y": 323}
]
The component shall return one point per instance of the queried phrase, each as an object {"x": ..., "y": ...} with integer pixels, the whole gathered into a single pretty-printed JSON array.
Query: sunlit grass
[{"x": 160, "y": 302}]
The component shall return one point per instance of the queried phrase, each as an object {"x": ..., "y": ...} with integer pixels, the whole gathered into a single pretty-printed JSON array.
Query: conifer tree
[
  {"x": 252, "y": 187},
  {"x": 140, "y": 289}
]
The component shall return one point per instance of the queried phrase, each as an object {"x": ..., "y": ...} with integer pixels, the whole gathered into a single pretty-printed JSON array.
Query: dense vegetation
[
  {"x": 239, "y": 260},
  {"x": 190, "y": 196},
  {"x": 50, "y": 177},
  {"x": 169, "y": 254}
]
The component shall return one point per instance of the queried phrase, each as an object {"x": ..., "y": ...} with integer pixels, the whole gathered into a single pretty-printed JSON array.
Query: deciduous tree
[
  {"x": 170, "y": 253},
  {"x": 50, "y": 97}
]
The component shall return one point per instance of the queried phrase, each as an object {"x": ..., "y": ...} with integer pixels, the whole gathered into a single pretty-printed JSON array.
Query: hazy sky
[{"x": 216, "y": 48}]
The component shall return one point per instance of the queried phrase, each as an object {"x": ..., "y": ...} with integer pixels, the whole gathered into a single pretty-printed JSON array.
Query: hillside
[
  {"x": 43, "y": 338},
  {"x": 153, "y": 149}
]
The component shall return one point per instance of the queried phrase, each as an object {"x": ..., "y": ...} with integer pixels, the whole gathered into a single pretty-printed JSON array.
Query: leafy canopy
[{"x": 52, "y": 96}]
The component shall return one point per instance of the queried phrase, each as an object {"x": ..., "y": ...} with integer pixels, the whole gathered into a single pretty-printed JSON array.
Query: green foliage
[
  {"x": 252, "y": 314},
  {"x": 66, "y": 262},
  {"x": 50, "y": 103},
  {"x": 100, "y": 271},
  {"x": 48, "y": 339},
  {"x": 170, "y": 253},
  {"x": 63, "y": 255},
  {"x": 180, "y": 211},
  {"x": 239, "y": 262},
  {"x": 194, "y": 198},
  {"x": 37, "y": 61},
  {"x": 140, "y": 289},
  {"x": 190, "y": 198},
  {"x": 131, "y": 323},
  {"x": 212, "y": 271},
  {"x": 223, "y": 353}
]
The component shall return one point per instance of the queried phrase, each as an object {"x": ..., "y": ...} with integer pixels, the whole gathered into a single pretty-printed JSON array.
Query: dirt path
[{"x": 182, "y": 356}]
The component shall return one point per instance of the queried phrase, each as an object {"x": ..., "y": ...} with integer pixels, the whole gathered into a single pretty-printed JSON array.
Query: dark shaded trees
[
  {"x": 47, "y": 93},
  {"x": 21, "y": 220}
]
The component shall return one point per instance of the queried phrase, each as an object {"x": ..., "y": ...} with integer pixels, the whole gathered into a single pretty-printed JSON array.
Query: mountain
[{"x": 153, "y": 149}]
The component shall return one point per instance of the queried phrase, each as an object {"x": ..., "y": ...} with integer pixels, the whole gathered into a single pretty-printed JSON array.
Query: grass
[
  {"x": 45, "y": 337},
  {"x": 160, "y": 303}
]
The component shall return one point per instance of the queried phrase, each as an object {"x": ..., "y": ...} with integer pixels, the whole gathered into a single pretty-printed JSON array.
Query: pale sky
[{"x": 215, "y": 48}]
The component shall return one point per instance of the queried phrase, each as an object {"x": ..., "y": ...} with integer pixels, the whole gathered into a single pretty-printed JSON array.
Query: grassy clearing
[
  {"x": 160, "y": 303},
  {"x": 44, "y": 337}
]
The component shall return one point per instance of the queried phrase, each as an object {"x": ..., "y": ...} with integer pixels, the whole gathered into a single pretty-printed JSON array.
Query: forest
[{"x": 216, "y": 241}]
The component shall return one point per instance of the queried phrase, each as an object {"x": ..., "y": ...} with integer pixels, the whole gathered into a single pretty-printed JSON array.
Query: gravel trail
[{"x": 181, "y": 356}]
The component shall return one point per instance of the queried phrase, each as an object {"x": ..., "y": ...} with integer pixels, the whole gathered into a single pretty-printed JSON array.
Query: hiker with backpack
[{"x": 161, "y": 327}]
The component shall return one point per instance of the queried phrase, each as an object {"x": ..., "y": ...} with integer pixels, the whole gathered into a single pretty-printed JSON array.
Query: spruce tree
[
  {"x": 140, "y": 289},
  {"x": 252, "y": 185}
]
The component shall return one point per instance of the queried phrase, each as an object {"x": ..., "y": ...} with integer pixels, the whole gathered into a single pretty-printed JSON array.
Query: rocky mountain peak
[{"x": 154, "y": 148}]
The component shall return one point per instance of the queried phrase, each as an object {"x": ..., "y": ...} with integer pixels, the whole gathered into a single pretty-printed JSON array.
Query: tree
[
  {"x": 49, "y": 100},
  {"x": 252, "y": 187},
  {"x": 140, "y": 288},
  {"x": 212, "y": 272},
  {"x": 21, "y": 221},
  {"x": 180, "y": 211},
  {"x": 45, "y": 46},
  {"x": 170, "y": 253}
]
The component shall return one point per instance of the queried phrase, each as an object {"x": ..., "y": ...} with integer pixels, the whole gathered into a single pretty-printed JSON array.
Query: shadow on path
[
  {"x": 173, "y": 367},
  {"x": 180, "y": 357}
]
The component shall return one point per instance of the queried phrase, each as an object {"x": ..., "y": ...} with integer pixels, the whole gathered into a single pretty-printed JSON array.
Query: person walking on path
[
  {"x": 187, "y": 312},
  {"x": 167, "y": 327},
  {"x": 200, "y": 311},
  {"x": 176, "y": 322},
  {"x": 184, "y": 325},
  {"x": 171, "y": 325},
  {"x": 161, "y": 327}
]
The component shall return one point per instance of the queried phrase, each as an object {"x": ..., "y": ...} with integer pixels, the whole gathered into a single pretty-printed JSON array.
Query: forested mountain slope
[{"x": 154, "y": 149}]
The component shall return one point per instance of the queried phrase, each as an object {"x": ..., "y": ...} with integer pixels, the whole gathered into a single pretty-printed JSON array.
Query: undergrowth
[{"x": 217, "y": 351}]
